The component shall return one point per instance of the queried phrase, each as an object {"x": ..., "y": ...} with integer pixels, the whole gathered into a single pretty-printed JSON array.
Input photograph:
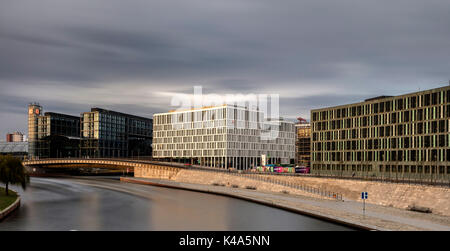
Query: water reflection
[{"x": 107, "y": 204}]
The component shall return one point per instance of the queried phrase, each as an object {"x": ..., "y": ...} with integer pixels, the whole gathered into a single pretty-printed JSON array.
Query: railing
[
  {"x": 261, "y": 177},
  {"x": 426, "y": 179},
  {"x": 294, "y": 185}
]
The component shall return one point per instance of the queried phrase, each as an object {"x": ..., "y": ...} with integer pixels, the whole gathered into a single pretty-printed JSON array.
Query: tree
[{"x": 12, "y": 172}]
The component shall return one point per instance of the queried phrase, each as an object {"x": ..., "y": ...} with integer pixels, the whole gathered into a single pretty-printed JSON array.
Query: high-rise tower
[{"x": 34, "y": 111}]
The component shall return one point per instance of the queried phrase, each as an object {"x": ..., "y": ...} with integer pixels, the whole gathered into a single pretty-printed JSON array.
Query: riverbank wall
[{"x": 7, "y": 211}]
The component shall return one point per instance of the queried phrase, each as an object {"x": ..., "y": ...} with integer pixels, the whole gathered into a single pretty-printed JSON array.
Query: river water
[{"x": 100, "y": 203}]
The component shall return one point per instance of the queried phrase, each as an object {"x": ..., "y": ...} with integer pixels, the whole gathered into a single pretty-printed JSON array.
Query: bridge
[
  {"x": 140, "y": 167},
  {"x": 169, "y": 170}
]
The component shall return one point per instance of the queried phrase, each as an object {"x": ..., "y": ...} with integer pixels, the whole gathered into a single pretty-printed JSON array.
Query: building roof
[
  {"x": 13, "y": 147},
  {"x": 206, "y": 108},
  {"x": 383, "y": 98},
  {"x": 54, "y": 114},
  {"x": 379, "y": 97},
  {"x": 101, "y": 110}
]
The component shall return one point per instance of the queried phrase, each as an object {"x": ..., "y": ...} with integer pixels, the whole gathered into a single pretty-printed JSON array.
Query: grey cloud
[{"x": 357, "y": 48}]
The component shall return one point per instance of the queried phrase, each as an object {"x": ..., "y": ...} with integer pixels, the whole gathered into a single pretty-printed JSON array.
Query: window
[
  {"x": 420, "y": 114},
  {"x": 406, "y": 116},
  {"x": 393, "y": 118},
  {"x": 413, "y": 102},
  {"x": 427, "y": 99},
  {"x": 442, "y": 126},
  {"x": 400, "y": 104},
  {"x": 388, "y": 106},
  {"x": 434, "y": 98}
]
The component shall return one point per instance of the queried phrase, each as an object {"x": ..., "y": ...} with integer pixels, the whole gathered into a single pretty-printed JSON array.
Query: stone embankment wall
[
  {"x": 10, "y": 209},
  {"x": 386, "y": 194},
  {"x": 155, "y": 171},
  {"x": 219, "y": 178}
]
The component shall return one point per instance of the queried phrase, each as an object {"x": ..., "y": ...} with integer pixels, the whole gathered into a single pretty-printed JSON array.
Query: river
[{"x": 105, "y": 203}]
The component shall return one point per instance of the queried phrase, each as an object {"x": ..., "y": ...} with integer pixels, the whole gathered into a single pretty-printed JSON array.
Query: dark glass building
[
  {"x": 52, "y": 135},
  {"x": 99, "y": 133},
  {"x": 110, "y": 134}
]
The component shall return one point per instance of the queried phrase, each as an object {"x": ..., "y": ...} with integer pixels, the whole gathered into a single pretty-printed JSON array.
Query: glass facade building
[
  {"x": 52, "y": 135},
  {"x": 402, "y": 137},
  {"x": 99, "y": 133},
  {"x": 110, "y": 134}
]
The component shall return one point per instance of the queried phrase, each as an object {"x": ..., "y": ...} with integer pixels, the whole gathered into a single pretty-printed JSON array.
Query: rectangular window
[{"x": 427, "y": 100}]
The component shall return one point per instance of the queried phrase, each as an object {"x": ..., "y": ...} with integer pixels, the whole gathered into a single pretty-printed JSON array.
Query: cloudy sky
[{"x": 130, "y": 55}]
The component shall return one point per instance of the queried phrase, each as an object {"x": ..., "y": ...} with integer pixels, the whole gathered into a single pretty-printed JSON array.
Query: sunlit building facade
[
  {"x": 14, "y": 137},
  {"x": 303, "y": 144},
  {"x": 401, "y": 137},
  {"x": 225, "y": 136}
]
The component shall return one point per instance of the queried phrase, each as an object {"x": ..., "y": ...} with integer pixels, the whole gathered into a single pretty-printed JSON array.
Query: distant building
[
  {"x": 225, "y": 136},
  {"x": 16, "y": 149},
  {"x": 14, "y": 137},
  {"x": 402, "y": 137},
  {"x": 110, "y": 134},
  {"x": 303, "y": 143}
]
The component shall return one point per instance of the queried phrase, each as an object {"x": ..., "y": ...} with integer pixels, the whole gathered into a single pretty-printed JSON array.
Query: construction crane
[{"x": 302, "y": 120}]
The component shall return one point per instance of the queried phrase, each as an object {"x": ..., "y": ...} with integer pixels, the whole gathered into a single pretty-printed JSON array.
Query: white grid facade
[{"x": 225, "y": 136}]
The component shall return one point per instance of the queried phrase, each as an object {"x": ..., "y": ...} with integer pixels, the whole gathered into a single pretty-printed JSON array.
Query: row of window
[
  {"x": 228, "y": 145},
  {"x": 400, "y": 155},
  {"x": 419, "y": 169},
  {"x": 220, "y": 131},
  {"x": 220, "y": 152},
  {"x": 433, "y": 113},
  {"x": 432, "y": 127},
  {"x": 222, "y": 137},
  {"x": 397, "y": 104},
  {"x": 208, "y": 115},
  {"x": 433, "y": 141}
]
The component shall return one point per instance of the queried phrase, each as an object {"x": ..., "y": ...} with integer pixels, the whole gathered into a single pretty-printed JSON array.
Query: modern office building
[
  {"x": 52, "y": 135},
  {"x": 303, "y": 143},
  {"x": 110, "y": 134},
  {"x": 401, "y": 137},
  {"x": 14, "y": 137},
  {"x": 99, "y": 133},
  {"x": 225, "y": 136}
]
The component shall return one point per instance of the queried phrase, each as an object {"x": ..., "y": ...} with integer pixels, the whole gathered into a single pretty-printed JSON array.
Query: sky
[{"x": 131, "y": 56}]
